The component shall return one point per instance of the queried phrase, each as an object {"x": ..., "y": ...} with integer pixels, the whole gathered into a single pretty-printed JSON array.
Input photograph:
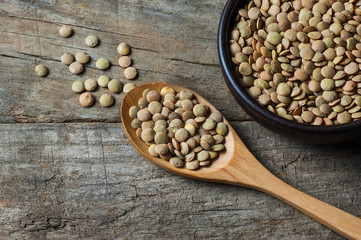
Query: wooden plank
[
  {"x": 172, "y": 41},
  {"x": 85, "y": 181}
]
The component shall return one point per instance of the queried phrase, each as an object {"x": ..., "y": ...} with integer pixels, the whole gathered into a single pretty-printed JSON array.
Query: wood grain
[
  {"x": 86, "y": 181},
  {"x": 73, "y": 179}
]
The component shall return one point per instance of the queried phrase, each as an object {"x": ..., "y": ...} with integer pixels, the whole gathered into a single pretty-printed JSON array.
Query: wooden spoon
[{"x": 238, "y": 166}]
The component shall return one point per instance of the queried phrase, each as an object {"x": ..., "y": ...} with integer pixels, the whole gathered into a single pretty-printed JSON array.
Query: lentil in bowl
[{"x": 236, "y": 83}]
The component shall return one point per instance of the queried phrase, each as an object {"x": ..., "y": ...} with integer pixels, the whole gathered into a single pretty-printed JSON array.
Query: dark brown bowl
[{"x": 298, "y": 131}]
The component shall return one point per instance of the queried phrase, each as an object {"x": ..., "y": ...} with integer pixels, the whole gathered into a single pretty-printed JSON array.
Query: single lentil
[
  {"x": 90, "y": 85},
  {"x": 130, "y": 73},
  {"x": 82, "y": 57},
  {"x": 106, "y": 100},
  {"x": 76, "y": 68},
  {"x": 86, "y": 99},
  {"x": 123, "y": 49},
  {"x": 102, "y": 63},
  {"x": 91, "y": 41},
  {"x": 77, "y": 87},
  {"x": 41, "y": 70},
  {"x": 65, "y": 31},
  {"x": 124, "y": 61},
  {"x": 67, "y": 58},
  {"x": 115, "y": 86},
  {"x": 128, "y": 87},
  {"x": 103, "y": 81}
]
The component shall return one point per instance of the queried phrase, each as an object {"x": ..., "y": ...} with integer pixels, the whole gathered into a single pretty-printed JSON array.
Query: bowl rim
[{"x": 227, "y": 18}]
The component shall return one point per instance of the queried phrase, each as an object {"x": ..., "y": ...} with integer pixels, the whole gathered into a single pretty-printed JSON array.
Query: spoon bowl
[
  {"x": 237, "y": 165},
  {"x": 224, "y": 158}
]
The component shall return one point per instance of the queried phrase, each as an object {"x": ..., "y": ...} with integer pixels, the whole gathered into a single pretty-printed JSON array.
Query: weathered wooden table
[{"x": 67, "y": 172}]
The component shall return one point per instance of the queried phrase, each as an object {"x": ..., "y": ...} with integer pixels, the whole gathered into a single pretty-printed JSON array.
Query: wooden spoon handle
[
  {"x": 246, "y": 170},
  {"x": 336, "y": 219}
]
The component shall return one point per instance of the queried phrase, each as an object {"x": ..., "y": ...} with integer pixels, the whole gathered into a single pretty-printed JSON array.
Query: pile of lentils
[
  {"x": 301, "y": 59},
  {"x": 177, "y": 128},
  {"x": 76, "y": 66}
]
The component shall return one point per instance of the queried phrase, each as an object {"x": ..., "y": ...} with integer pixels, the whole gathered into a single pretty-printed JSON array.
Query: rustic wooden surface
[{"x": 70, "y": 173}]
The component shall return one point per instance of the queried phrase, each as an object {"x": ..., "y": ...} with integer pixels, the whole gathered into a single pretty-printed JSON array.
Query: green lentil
[
  {"x": 148, "y": 135},
  {"x": 177, "y": 162},
  {"x": 115, "y": 86},
  {"x": 82, "y": 57},
  {"x": 192, "y": 165},
  {"x": 209, "y": 124},
  {"x": 102, "y": 63},
  {"x": 78, "y": 87},
  {"x": 136, "y": 123},
  {"x": 103, "y": 81},
  {"x": 128, "y": 87},
  {"x": 106, "y": 100},
  {"x": 65, "y": 31},
  {"x": 222, "y": 128}
]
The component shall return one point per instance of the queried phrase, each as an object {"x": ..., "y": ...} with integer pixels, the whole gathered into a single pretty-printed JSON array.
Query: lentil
[
  {"x": 106, "y": 100},
  {"x": 76, "y": 68},
  {"x": 65, "y": 31},
  {"x": 86, "y": 99},
  {"x": 82, "y": 57},
  {"x": 102, "y": 63},
  {"x": 130, "y": 73},
  {"x": 128, "y": 87},
  {"x": 91, "y": 41},
  {"x": 103, "y": 81},
  {"x": 67, "y": 58},
  {"x": 124, "y": 61},
  {"x": 77, "y": 86},
  {"x": 123, "y": 49},
  {"x": 41, "y": 70},
  {"x": 90, "y": 85},
  {"x": 115, "y": 86}
]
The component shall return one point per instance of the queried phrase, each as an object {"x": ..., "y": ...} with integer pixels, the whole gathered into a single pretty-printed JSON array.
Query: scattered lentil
[
  {"x": 91, "y": 41},
  {"x": 124, "y": 61},
  {"x": 65, "y": 31},
  {"x": 102, "y": 63},
  {"x": 128, "y": 87},
  {"x": 82, "y": 57},
  {"x": 106, "y": 100},
  {"x": 123, "y": 49},
  {"x": 76, "y": 68},
  {"x": 90, "y": 85},
  {"x": 115, "y": 86},
  {"x": 130, "y": 73},
  {"x": 86, "y": 99},
  {"x": 77, "y": 87},
  {"x": 41, "y": 70},
  {"x": 103, "y": 81},
  {"x": 67, "y": 58}
]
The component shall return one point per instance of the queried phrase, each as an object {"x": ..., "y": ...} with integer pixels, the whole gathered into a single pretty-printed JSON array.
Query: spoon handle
[
  {"x": 245, "y": 170},
  {"x": 336, "y": 219}
]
